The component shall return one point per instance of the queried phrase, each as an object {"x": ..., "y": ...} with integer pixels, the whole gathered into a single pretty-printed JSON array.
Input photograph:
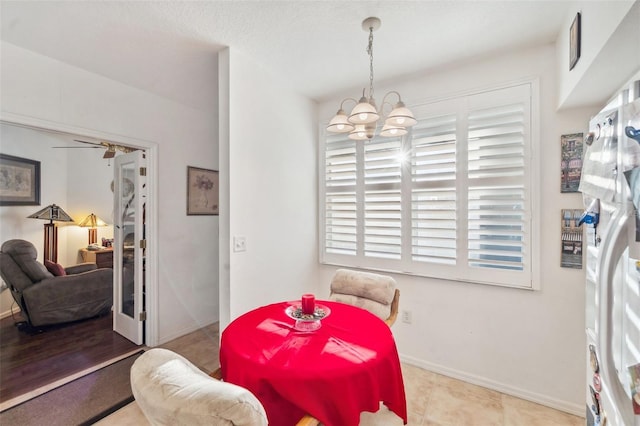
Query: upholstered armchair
[
  {"x": 170, "y": 390},
  {"x": 375, "y": 293},
  {"x": 73, "y": 293}
]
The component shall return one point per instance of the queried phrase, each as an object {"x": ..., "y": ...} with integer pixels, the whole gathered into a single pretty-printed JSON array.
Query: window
[{"x": 452, "y": 199}]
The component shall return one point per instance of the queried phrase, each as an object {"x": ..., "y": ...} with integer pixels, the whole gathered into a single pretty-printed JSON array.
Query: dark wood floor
[{"x": 30, "y": 359}]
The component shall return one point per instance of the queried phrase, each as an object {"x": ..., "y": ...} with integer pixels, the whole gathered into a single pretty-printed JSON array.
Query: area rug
[{"x": 82, "y": 401}]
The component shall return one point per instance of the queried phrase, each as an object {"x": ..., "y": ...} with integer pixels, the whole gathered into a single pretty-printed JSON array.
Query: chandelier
[{"x": 361, "y": 123}]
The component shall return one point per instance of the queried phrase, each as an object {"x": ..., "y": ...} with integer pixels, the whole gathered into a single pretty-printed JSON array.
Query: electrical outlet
[
  {"x": 239, "y": 243},
  {"x": 407, "y": 317}
]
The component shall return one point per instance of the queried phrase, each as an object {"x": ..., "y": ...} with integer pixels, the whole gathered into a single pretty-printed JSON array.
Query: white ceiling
[{"x": 318, "y": 47}]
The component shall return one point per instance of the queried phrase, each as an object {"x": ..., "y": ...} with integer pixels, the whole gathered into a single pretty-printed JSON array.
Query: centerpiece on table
[{"x": 307, "y": 313}]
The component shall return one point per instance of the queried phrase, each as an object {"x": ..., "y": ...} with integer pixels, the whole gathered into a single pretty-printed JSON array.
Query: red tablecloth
[{"x": 334, "y": 373}]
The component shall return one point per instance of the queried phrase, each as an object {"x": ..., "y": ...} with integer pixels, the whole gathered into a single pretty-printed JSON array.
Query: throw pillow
[{"x": 55, "y": 268}]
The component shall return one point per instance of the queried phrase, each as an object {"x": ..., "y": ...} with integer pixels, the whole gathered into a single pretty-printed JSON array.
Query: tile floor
[{"x": 432, "y": 399}]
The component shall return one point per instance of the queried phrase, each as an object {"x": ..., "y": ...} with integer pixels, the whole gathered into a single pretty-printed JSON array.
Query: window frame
[{"x": 406, "y": 266}]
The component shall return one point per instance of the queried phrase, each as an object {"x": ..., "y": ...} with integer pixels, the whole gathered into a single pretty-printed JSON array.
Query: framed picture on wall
[
  {"x": 574, "y": 42},
  {"x": 571, "y": 239},
  {"x": 202, "y": 191},
  {"x": 19, "y": 181},
  {"x": 571, "y": 162}
]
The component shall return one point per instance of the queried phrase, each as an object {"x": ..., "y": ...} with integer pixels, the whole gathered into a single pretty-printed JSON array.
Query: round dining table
[{"x": 346, "y": 366}]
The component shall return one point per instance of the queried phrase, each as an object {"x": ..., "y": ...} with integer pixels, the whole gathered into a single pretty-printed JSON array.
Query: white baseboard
[
  {"x": 567, "y": 407},
  {"x": 8, "y": 313}
]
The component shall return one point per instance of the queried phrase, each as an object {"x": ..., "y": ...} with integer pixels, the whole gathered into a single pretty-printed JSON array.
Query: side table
[{"x": 102, "y": 258}]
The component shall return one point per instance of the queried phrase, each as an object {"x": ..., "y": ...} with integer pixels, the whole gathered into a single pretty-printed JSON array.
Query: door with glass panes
[{"x": 129, "y": 245}]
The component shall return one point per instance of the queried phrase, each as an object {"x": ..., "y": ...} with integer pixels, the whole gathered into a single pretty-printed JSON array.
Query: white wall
[
  {"x": 610, "y": 43},
  {"x": 526, "y": 343},
  {"x": 40, "y": 88},
  {"x": 269, "y": 164}
]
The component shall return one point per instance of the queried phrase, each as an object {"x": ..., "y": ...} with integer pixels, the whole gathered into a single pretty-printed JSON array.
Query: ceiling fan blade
[
  {"x": 80, "y": 147},
  {"x": 90, "y": 143},
  {"x": 109, "y": 147}
]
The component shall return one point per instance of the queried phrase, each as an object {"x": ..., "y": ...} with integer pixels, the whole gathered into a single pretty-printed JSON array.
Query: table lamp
[
  {"x": 51, "y": 213},
  {"x": 92, "y": 222}
]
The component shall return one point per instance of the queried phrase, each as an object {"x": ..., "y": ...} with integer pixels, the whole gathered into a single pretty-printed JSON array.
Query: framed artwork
[
  {"x": 202, "y": 191},
  {"x": 634, "y": 372},
  {"x": 574, "y": 42},
  {"x": 571, "y": 162},
  {"x": 19, "y": 181},
  {"x": 571, "y": 239}
]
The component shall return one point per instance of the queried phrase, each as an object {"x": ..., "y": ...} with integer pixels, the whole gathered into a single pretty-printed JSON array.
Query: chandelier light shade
[
  {"x": 364, "y": 112},
  {"x": 391, "y": 131},
  {"x": 340, "y": 123},
  {"x": 400, "y": 116},
  {"x": 92, "y": 222},
  {"x": 51, "y": 213},
  {"x": 361, "y": 122},
  {"x": 363, "y": 132}
]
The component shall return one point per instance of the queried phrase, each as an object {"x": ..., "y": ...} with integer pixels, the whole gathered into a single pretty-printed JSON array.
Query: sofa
[{"x": 53, "y": 294}]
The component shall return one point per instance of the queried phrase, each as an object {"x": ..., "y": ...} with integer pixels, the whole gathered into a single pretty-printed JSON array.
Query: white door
[{"x": 129, "y": 244}]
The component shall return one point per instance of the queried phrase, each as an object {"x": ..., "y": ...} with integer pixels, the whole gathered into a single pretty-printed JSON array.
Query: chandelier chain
[{"x": 370, "y": 52}]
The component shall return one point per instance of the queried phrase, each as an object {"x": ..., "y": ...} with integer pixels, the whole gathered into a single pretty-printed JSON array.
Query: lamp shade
[
  {"x": 400, "y": 116},
  {"x": 364, "y": 112},
  {"x": 363, "y": 132},
  {"x": 391, "y": 131},
  {"x": 340, "y": 123},
  {"x": 53, "y": 213},
  {"x": 92, "y": 221}
]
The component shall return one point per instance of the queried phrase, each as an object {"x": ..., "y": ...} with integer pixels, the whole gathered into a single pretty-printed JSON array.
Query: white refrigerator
[{"x": 610, "y": 185}]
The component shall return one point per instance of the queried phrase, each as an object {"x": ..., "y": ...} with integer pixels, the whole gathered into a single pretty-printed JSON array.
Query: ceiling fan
[{"x": 110, "y": 148}]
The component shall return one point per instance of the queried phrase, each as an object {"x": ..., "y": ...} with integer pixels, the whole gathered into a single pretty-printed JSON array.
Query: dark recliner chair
[{"x": 83, "y": 292}]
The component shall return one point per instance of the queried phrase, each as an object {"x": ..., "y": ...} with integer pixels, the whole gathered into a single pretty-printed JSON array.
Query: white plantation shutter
[
  {"x": 496, "y": 196},
  {"x": 499, "y": 205},
  {"x": 382, "y": 198},
  {"x": 340, "y": 233},
  {"x": 496, "y": 228},
  {"x": 451, "y": 199},
  {"x": 433, "y": 190},
  {"x": 382, "y": 224}
]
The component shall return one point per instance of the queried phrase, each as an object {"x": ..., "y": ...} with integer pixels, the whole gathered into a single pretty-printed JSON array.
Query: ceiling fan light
[
  {"x": 363, "y": 113},
  {"x": 110, "y": 153},
  {"x": 391, "y": 131},
  {"x": 400, "y": 116},
  {"x": 340, "y": 123}
]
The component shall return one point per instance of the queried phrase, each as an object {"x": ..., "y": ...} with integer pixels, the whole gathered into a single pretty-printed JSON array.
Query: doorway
[{"x": 151, "y": 150}]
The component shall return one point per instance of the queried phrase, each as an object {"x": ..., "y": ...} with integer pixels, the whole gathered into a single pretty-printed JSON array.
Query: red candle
[{"x": 308, "y": 304}]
